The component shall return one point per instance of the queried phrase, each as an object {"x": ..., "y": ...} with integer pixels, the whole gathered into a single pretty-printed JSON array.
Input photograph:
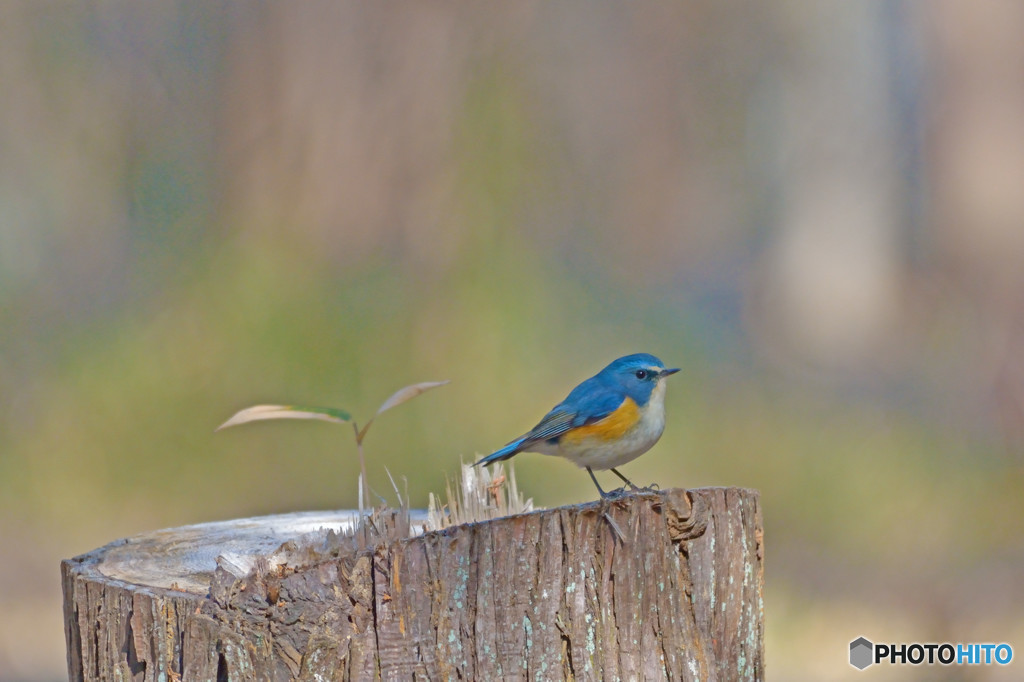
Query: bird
[{"x": 610, "y": 419}]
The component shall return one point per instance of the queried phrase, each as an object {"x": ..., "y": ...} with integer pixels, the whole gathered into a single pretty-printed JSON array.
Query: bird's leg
[
  {"x": 646, "y": 489},
  {"x": 604, "y": 495},
  {"x": 625, "y": 480}
]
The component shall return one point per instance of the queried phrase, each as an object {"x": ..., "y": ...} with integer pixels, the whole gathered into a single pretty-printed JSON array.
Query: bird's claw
[
  {"x": 613, "y": 494},
  {"x": 630, "y": 489}
]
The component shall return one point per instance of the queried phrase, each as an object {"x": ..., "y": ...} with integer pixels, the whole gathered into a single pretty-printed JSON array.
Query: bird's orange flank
[{"x": 612, "y": 427}]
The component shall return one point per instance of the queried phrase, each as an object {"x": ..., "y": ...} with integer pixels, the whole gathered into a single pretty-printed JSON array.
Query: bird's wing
[
  {"x": 579, "y": 409},
  {"x": 554, "y": 424},
  {"x": 589, "y": 402}
]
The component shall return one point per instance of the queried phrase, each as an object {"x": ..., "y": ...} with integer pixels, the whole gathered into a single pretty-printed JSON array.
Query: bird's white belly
[{"x": 596, "y": 453}]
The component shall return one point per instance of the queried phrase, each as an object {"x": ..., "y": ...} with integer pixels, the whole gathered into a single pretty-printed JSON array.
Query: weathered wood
[{"x": 665, "y": 585}]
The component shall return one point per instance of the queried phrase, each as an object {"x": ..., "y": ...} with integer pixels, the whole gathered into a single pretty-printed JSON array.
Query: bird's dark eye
[{"x": 641, "y": 374}]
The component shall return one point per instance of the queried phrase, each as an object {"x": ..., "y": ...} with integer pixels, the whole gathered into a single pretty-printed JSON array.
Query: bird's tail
[{"x": 504, "y": 453}]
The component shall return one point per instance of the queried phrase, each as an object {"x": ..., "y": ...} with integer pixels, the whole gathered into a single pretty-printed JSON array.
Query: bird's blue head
[{"x": 638, "y": 375}]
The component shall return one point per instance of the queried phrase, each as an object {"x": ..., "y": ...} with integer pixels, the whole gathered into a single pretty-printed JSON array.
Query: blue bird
[{"x": 610, "y": 419}]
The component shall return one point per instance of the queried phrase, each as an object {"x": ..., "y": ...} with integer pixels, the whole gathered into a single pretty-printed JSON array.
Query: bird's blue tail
[{"x": 504, "y": 453}]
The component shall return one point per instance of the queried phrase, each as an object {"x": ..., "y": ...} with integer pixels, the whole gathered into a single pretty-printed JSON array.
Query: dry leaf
[
  {"x": 263, "y": 412},
  {"x": 397, "y": 398},
  {"x": 408, "y": 393}
]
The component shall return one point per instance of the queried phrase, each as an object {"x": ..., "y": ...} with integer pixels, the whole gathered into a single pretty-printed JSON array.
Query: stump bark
[{"x": 664, "y": 585}]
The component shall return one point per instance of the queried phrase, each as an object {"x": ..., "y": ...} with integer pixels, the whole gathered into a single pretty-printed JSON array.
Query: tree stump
[{"x": 664, "y": 585}]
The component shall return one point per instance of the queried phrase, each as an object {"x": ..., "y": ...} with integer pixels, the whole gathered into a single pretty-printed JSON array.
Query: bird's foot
[
  {"x": 630, "y": 490},
  {"x": 614, "y": 494}
]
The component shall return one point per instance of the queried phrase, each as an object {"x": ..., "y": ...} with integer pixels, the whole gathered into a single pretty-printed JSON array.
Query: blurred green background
[{"x": 816, "y": 209}]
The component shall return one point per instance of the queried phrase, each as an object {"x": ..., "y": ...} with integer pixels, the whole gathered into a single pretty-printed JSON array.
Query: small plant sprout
[{"x": 332, "y": 414}]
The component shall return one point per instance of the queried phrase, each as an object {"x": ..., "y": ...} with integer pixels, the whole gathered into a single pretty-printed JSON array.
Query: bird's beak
[{"x": 666, "y": 372}]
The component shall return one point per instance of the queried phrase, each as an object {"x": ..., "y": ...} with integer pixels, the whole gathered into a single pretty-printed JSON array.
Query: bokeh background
[{"x": 816, "y": 209}]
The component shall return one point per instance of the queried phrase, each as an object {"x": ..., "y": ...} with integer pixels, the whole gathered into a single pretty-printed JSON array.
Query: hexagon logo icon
[{"x": 861, "y": 653}]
